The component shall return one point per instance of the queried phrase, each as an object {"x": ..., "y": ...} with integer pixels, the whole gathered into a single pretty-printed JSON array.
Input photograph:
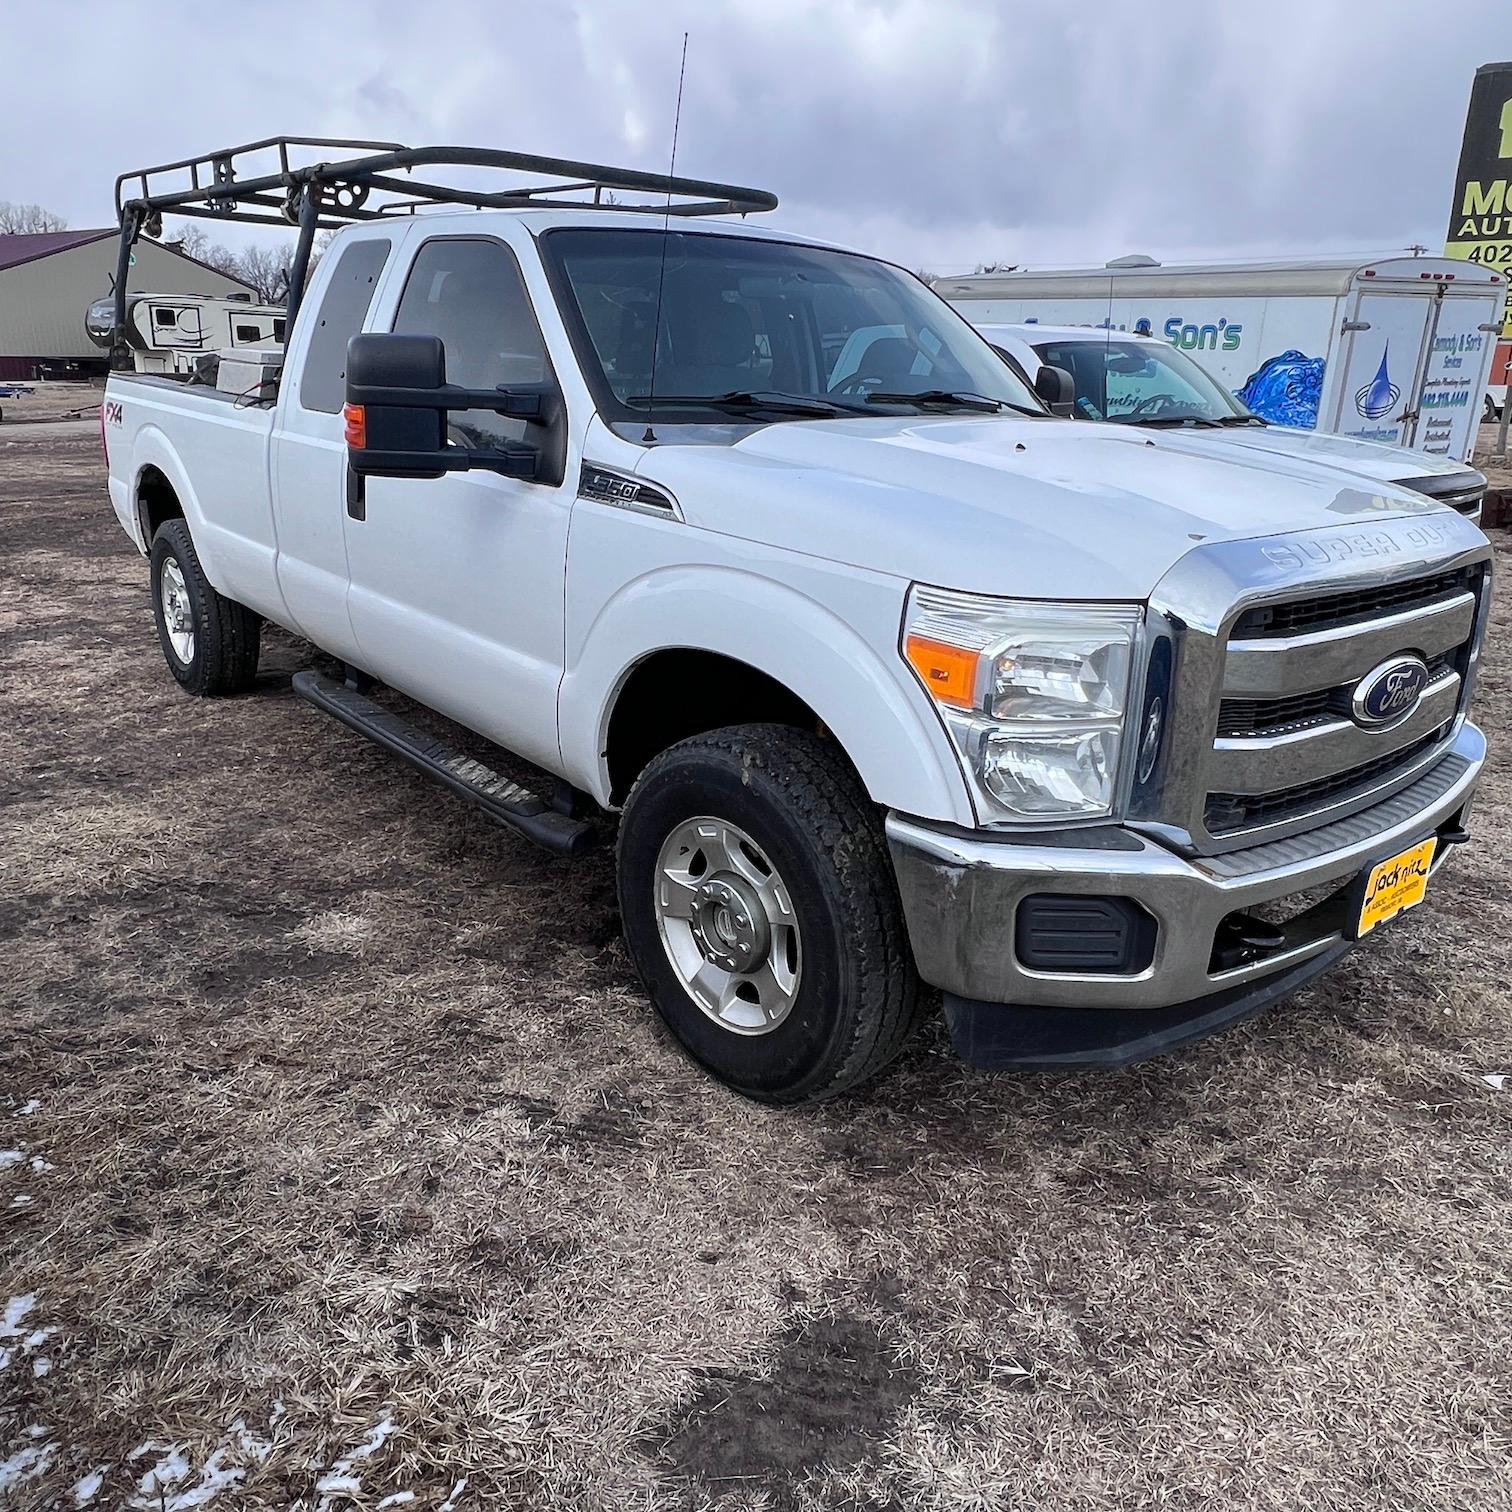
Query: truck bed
[{"x": 212, "y": 449}]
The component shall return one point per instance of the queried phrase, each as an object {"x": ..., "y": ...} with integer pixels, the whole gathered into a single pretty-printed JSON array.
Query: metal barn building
[{"x": 49, "y": 278}]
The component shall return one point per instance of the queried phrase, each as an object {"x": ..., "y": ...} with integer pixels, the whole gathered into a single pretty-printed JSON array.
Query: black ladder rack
[{"x": 263, "y": 183}]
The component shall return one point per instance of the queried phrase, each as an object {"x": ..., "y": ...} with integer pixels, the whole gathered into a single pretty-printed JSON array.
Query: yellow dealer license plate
[{"x": 1395, "y": 885}]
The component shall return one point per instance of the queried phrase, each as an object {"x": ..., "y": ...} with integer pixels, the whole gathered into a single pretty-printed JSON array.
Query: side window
[
  {"x": 342, "y": 312},
  {"x": 471, "y": 295}
]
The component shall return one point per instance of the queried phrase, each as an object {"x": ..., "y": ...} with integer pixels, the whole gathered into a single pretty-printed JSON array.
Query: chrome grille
[
  {"x": 1335, "y": 610},
  {"x": 1226, "y": 812},
  {"x": 1240, "y": 717},
  {"x": 1267, "y": 640}
]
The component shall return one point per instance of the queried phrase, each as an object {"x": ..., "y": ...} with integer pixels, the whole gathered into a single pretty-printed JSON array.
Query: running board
[{"x": 498, "y": 798}]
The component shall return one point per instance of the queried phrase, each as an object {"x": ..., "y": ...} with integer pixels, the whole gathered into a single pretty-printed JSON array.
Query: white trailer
[
  {"x": 169, "y": 333},
  {"x": 1397, "y": 350}
]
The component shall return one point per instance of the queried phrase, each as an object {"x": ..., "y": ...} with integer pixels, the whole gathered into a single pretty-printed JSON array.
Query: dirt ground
[
  {"x": 53, "y": 400},
  {"x": 342, "y": 1164}
]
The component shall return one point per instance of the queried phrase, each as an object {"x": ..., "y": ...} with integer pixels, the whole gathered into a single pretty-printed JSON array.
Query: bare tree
[
  {"x": 266, "y": 271},
  {"x": 997, "y": 267},
  {"x": 195, "y": 243},
  {"x": 263, "y": 268},
  {"x": 29, "y": 218}
]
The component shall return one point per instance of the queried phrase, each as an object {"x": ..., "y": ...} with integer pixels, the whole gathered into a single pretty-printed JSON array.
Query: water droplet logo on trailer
[{"x": 1378, "y": 396}]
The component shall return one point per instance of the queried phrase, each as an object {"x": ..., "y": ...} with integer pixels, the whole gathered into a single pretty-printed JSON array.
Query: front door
[{"x": 458, "y": 583}]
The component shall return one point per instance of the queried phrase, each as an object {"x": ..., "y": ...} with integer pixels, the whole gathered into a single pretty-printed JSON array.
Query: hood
[
  {"x": 1039, "y": 508},
  {"x": 1370, "y": 459}
]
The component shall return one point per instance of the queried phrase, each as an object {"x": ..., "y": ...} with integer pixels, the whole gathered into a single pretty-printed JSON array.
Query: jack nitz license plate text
[{"x": 1395, "y": 885}]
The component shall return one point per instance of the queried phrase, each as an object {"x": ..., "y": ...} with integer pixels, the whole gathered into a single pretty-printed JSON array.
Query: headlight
[{"x": 1033, "y": 695}]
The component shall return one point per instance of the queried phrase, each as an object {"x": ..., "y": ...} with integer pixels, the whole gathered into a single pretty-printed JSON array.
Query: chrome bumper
[{"x": 960, "y": 892}]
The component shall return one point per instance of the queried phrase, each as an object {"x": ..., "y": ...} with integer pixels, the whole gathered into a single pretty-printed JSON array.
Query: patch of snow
[
  {"x": 20, "y": 1202},
  {"x": 10, "y": 1158},
  {"x": 168, "y": 1471},
  {"x": 248, "y": 1442},
  {"x": 39, "y": 1165},
  {"x": 339, "y": 1480},
  {"x": 1496, "y": 1080},
  {"x": 26, "y": 1464},
  {"x": 451, "y": 1501},
  {"x": 397, "y": 1499},
  {"x": 216, "y": 1477},
  {"x": 34, "y": 1106},
  {"x": 41, "y": 1366},
  {"x": 88, "y": 1486},
  {"x": 153, "y": 1493},
  {"x": 16, "y": 1309}
]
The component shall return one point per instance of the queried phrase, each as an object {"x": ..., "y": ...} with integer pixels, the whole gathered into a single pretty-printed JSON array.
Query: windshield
[
  {"x": 1138, "y": 382},
  {"x": 789, "y": 331}
]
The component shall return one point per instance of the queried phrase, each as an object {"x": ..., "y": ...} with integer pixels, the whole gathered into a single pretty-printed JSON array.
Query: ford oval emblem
[{"x": 1389, "y": 692}]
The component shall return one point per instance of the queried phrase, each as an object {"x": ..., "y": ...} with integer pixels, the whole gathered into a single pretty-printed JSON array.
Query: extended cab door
[
  {"x": 309, "y": 459},
  {"x": 457, "y": 583}
]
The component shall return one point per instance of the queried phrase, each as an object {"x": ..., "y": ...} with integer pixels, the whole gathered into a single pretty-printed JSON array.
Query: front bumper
[{"x": 961, "y": 890}]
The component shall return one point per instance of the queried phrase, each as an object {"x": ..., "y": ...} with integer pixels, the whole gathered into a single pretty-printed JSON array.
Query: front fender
[{"x": 868, "y": 701}]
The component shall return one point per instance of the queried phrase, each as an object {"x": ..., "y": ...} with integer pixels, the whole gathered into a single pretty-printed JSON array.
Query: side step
[{"x": 498, "y": 798}]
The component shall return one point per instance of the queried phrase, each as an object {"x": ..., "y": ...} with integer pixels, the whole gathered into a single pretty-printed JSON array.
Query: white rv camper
[
  {"x": 169, "y": 333},
  {"x": 1397, "y": 350}
]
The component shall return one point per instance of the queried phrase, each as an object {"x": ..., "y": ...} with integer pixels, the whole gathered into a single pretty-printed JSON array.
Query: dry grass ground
[{"x": 348, "y": 1163}]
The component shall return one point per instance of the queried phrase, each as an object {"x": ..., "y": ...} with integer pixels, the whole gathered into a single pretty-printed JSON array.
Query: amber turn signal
[
  {"x": 356, "y": 425},
  {"x": 949, "y": 672}
]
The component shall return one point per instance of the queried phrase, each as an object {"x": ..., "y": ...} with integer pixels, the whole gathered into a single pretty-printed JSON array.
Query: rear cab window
[{"x": 343, "y": 311}]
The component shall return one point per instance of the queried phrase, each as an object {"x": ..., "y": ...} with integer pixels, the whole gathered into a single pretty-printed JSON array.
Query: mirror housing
[
  {"x": 397, "y": 399},
  {"x": 1057, "y": 388}
]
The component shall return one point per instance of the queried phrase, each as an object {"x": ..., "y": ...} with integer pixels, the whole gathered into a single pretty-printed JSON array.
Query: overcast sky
[{"x": 940, "y": 133}]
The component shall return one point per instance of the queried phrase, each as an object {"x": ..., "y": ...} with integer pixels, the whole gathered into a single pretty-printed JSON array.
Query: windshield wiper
[
  {"x": 1243, "y": 420},
  {"x": 743, "y": 401},
  {"x": 1175, "y": 420},
  {"x": 953, "y": 397}
]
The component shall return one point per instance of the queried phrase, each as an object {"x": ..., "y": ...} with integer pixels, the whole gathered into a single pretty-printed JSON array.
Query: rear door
[
  {"x": 1451, "y": 398},
  {"x": 458, "y": 583},
  {"x": 309, "y": 442},
  {"x": 1383, "y": 362}
]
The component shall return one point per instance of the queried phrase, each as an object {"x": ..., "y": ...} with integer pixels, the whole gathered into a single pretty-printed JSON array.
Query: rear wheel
[
  {"x": 761, "y": 911},
  {"x": 210, "y": 642}
]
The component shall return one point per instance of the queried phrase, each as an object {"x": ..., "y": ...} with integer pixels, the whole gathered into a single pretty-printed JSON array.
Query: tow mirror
[
  {"x": 397, "y": 399},
  {"x": 1057, "y": 388}
]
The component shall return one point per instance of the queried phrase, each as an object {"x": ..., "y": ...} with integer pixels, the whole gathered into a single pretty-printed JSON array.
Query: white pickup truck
[{"x": 891, "y": 676}]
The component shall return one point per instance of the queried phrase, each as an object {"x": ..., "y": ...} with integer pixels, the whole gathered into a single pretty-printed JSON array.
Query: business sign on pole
[{"x": 1480, "y": 220}]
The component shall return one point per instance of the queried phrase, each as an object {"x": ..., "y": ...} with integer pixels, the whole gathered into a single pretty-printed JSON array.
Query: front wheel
[
  {"x": 761, "y": 911},
  {"x": 210, "y": 642}
]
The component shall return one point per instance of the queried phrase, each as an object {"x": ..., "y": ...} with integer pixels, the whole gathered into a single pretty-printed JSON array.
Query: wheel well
[
  {"x": 156, "y": 502},
  {"x": 674, "y": 694}
]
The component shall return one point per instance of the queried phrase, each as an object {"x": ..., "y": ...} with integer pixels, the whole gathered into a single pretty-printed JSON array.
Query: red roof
[{"x": 25, "y": 246}]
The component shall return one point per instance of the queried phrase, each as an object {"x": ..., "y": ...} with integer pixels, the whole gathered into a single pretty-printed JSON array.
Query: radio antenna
[{"x": 661, "y": 278}]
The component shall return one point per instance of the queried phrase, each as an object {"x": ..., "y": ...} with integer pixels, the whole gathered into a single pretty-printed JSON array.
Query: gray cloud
[{"x": 937, "y": 132}]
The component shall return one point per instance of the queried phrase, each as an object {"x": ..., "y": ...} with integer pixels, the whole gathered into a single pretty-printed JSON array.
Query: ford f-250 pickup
[{"x": 891, "y": 676}]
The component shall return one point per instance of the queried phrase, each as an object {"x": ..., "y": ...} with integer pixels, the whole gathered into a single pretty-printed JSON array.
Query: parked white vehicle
[
  {"x": 1141, "y": 380},
  {"x": 1396, "y": 350},
  {"x": 890, "y": 676}
]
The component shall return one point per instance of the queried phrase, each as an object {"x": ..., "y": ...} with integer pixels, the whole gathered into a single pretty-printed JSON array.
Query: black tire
[
  {"x": 226, "y": 634},
  {"x": 857, "y": 995}
]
